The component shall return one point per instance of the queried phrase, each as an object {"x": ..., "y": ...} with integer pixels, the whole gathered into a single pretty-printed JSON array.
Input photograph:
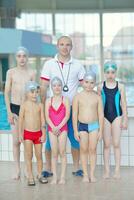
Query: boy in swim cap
[
  {"x": 115, "y": 116},
  {"x": 88, "y": 123},
  {"x": 16, "y": 78},
  {"x": 32, "y": 120}
]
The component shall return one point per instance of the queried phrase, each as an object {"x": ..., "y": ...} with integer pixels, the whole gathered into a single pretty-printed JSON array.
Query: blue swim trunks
[{"x": 88, "y": 127}]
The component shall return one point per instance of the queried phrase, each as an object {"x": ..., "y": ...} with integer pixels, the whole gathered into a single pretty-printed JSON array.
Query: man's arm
[
  {"x": 45, "y": 79},
  {"x": 44, "y": 85}
]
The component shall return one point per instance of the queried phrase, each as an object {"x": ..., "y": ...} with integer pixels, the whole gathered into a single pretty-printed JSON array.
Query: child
[
  {"x": 88, "y": 123},
  {"x": 57, "y": 112},
  {"x": 31, "y": 119},
  {"x": 115, "y": 115}
]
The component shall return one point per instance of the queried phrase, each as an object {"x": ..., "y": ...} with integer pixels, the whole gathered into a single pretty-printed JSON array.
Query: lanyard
[{"x": 65, "y": 83}]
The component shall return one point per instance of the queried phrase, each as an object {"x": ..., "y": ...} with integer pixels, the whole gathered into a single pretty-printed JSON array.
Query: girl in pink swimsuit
[{"x": 57, "y": 111}]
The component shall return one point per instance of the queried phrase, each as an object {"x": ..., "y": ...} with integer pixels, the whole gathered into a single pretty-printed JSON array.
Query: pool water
[{"x": 4, "y": 125}]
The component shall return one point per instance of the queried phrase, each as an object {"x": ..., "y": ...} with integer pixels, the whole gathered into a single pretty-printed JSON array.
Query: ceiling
[{"x": 74, "y": 5}]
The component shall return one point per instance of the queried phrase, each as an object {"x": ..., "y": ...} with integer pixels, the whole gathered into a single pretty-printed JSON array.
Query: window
[{"x": 118, "y": 40}]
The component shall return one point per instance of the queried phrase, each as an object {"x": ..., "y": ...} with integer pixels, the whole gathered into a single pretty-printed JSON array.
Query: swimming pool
[{"x": 4, "y": 125}]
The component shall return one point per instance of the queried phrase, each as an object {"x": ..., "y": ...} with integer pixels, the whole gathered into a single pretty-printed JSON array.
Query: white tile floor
[{"x": 74, "y": 189}]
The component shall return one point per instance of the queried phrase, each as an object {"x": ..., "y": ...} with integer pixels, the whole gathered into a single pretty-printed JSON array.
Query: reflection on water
[{"x": 4, "y": 125}]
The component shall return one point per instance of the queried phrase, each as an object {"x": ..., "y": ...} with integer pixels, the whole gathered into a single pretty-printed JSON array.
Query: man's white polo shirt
[{"x": 76, "y": 74}]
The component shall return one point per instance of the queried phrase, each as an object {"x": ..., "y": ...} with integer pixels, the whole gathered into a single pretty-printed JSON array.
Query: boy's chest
[
  {"x": 33, "y": 110},
  {"x": 21, "y": 79},
  {"x": 88, "y": 102}
]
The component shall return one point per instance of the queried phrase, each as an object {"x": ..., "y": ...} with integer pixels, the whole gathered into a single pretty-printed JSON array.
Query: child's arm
[
  {"x": 101, "y": 117},
  {"x": 99, "y": 88},
  {"x": 75, "y": 117},
  {"x": 21, "y": 122},
  {"x": 66, "y": 118},
  {"x": 124, "y": 124},
  {"x": 43, "y": 124},
  {"x": 48, "y": 120},
  {"x": 8, "y": 86}
]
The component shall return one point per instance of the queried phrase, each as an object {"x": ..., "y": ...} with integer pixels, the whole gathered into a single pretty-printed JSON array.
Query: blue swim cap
[
  {"x": 22, "y": 49},
  {"x": 110, "y": 65},
  {"x": 31, "y": 85}
]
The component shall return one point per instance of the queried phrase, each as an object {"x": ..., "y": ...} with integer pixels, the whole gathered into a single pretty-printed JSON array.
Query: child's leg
[
  {"x": 107, "y": 144},
  {"x": 28, "y": 145},
  {"x": 38, "y": 154},
  {"x": 116, "y": 136},
  {"x": 92, "y": 153},
  {"x": 62, "y": 141},
  {"x": 54, "y": 157},
  {"x": 84, "y": 154},
  {"x": 16, "y": 149}
]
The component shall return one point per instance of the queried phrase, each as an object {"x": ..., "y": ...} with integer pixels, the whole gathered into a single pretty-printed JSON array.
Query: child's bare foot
[
  {"x": 54, "y": 181},
  {"x": 25, "y": 174},
  {"x": 17, "y": 176},
  {"x": 31, "y": 182},
  {"x": 85, "y": 179},
  {"x": 93, "y": 179},
  {"x": 62, "y": 181},
  {"x": 106, "y": 175},
  {"x": 117, "y": 175}
]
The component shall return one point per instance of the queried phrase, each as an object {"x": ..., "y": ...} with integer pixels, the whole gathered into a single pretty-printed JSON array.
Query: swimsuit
[
  {"x": 88, "y": 127},
  {"x": 15, "y": 108},
  {"x": 34, "y": 136},
  {"x": 111, "y": 102},
  {"x": 74, "y": 143},
  {"x": 57, "y": 116}
]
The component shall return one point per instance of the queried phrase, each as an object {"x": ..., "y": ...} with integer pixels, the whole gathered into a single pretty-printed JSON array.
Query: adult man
[
  {"x": 71, "y": 72},
  {"x": 16, "y": 79}
]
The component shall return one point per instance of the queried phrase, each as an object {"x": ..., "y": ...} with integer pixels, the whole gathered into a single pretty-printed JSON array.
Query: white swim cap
[
  {"x": 90, "y": 75},
  {"x": 56, "y": 80},
  {"x": 31, "y": 85}
]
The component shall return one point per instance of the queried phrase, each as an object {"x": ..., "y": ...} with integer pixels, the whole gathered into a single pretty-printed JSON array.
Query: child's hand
[
  {"x": 43, "y": 138},
  {"x": 21, "y": 139},
  {"x": 99, "y": 137},
  {"x": 11, "y": 118},
  {"x": 124, "y": 123},
  {"x": 77, "y": 137},
  {"x": 56, "y": 130}
]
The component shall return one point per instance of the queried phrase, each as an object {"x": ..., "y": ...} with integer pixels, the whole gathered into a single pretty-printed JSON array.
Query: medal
[{"x": 65, "y": 88}]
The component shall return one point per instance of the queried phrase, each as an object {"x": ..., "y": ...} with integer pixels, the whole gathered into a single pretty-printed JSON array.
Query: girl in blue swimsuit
[{"x": 115, "y": 114}]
